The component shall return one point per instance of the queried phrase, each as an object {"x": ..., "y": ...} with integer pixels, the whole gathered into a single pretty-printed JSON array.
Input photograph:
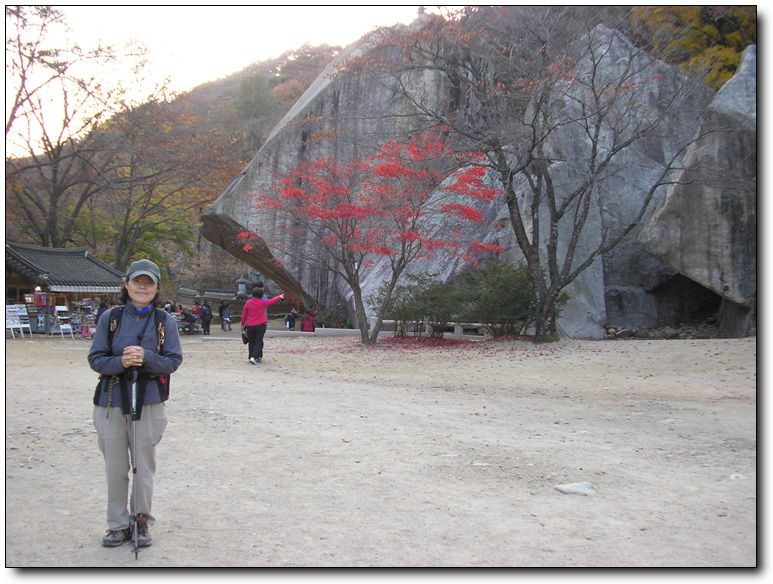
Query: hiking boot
[
  {"x": 116, "y": 537},
  {"x": 143, "y": 536}
]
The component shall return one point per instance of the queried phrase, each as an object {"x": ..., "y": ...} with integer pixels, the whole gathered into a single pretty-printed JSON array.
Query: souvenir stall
[{"x": 61, "y": 289}]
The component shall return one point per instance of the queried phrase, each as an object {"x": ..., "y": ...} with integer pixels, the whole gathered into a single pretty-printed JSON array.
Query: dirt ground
[{"x": 332, "y": 454}]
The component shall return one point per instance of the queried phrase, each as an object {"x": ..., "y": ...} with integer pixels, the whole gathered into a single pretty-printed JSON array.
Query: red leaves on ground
[{"x": 424, "y": 342}]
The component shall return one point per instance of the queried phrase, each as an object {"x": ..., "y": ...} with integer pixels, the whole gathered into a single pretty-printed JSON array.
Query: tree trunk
[
  {"x": 359, "y": 310},
  {"x": 363, "y": 322},
  {"x": 397, "y": 270},
  {"x": 546, "y": 330}
]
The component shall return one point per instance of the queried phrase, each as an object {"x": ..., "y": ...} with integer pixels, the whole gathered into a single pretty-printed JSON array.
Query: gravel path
[{"x": 333, "y": 454}]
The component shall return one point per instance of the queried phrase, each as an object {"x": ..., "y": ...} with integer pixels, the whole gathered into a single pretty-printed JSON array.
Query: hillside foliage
[{"x": 706, "y": 41}]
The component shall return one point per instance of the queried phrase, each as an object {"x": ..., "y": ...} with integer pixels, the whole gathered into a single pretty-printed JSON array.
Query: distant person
[
  {"x": 291, "y": 318},
  {"x": 227, "y": 317},
  {"x": 307, "y": 324},
  {"x": 189, "y": 322},
  {"x": 196, "y": 311},
  {"x": 102, "y": 309},
  {"x": 220, "y": 310},
  {"x": 206, "y": 318},
  {"x": 255, "y": 321}
]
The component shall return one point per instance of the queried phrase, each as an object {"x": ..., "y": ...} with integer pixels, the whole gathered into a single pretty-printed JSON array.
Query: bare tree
[
  {"x": 558, "y": 101},
  {"x": 30, "y": 64},
  {"x": 60, "y": 149},
  {"x": 49, "y": 161}
]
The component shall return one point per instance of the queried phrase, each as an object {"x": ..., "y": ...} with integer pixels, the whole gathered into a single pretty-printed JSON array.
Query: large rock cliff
[
  {"x": 618, "y": 289},
  {"x": 342, "y": 113},
  {"x": 706, "y": 228},
  {"x": 338, "y": 115}
]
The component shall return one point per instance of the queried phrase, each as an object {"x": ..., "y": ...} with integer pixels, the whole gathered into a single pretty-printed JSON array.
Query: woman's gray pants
[{"x": 115, "y": 439}]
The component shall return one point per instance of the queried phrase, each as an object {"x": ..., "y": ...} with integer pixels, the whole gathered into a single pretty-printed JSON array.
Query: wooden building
[{"x": 45, "y": 277}]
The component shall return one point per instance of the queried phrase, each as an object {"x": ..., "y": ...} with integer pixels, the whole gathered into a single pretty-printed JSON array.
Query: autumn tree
[
  {"x": 257, "y": 108},
  {"x": 295, "y": 70},
  {"x": 267, "y": 90},
  {"x": 522, "y": 84},
  {"x": 55, "y": 162},
  {"x": 50, "y": 184},
  {"x": 45, "y": 167},
  {"x": 387, "y": 210},
  {"x": 149, "y": 185}
]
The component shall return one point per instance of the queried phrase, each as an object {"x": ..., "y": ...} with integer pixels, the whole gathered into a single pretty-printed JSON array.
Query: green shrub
[
  {"x": 423, "y": 304},
  {"x": 499, "y": 296}
]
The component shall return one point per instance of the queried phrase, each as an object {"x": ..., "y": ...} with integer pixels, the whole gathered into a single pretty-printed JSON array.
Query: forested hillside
[
  {"x": 230, "y": 119},
  {"x": 130, "y": 179}
]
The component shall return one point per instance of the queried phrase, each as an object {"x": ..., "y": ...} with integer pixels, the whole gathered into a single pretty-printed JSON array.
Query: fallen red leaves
[
  {"x": 421, "y": 342},
  {"x": 428, "y": 342}
]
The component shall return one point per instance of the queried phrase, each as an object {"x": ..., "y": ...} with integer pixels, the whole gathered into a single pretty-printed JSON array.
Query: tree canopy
[{"x": 403, "y": 203}]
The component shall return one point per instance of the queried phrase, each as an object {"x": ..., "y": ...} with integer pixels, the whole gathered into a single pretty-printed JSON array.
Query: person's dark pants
[
  {"x": 205, "y": 326},
  {"x": 255, "y": 336}
]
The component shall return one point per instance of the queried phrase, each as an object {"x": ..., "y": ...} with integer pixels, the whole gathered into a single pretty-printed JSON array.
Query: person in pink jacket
[{"x": 255, "y": 321}]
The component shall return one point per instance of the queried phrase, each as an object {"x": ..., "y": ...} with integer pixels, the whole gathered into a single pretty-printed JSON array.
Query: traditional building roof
[{"x": 63, "y": 269}]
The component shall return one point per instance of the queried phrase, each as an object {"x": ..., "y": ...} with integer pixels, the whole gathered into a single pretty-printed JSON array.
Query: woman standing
[
  {"x": 255, "y": 320},
  {"x": 307, "y": 324},
  {"x": 133, "y": 342},
  {"x": 227, "y": 318}
]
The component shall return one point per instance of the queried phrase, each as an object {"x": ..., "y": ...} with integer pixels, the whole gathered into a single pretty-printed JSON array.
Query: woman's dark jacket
[{"x": 152, "y": 380}]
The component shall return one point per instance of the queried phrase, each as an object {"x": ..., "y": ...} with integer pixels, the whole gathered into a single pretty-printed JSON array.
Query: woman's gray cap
[{"x": 144, "y": 267}]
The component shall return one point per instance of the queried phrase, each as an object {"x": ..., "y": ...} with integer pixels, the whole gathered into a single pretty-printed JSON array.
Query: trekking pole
[{"x": 135, "y": 515}]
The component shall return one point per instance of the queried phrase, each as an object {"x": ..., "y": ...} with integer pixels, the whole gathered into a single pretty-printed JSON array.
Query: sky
[{"x": 196, "y": 44}]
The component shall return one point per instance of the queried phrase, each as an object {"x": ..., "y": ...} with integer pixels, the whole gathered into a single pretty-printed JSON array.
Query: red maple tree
[{"x": 408, "y": 201}]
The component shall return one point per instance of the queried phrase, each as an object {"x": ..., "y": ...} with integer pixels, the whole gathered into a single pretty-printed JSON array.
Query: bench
[
  {"x": 458, "y": 328},
  {"x": 16, "y": 317}
]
